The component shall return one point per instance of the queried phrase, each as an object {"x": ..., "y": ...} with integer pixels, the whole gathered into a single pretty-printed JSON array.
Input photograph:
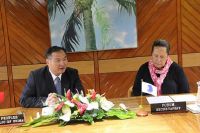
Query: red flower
[
  {"x": 93, "y": 95},
  {"x": 68, "y": 95},
  {"x": 81, "y": 106},
  {"x": 59, "y": 107}
]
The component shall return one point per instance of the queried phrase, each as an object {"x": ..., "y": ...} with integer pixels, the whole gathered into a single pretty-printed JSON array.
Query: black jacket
[
  {"x": 175, "y": 81},
  {"x": 40, "y": 84}
]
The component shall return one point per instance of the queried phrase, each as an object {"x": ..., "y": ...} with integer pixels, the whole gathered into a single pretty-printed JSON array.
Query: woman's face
[{"x": 159, "y": 56}]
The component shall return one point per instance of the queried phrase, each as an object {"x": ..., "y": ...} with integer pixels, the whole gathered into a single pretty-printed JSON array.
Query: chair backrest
[{"x": 130, "y": 91}]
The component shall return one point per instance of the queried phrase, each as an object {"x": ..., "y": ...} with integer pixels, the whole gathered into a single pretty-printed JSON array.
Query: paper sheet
[
  {"x": 194, "y": 108},
  {"x": 159, "y": 99},
  {"x": 184, "y": 97}
]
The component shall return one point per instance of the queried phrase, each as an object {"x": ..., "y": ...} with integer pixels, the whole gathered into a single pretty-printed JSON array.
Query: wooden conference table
[{"x": 153, "y": 123}]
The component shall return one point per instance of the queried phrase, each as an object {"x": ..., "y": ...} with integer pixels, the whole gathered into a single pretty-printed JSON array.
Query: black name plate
[
  {"x": 168, "y": 107},
  {"x": 12, "y": 119}
]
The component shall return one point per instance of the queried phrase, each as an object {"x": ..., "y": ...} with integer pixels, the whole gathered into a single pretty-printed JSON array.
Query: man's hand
[{"x": 52, "y": 99}]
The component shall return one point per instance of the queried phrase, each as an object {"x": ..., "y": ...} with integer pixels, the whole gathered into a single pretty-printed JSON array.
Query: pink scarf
[{"x": 163, "y": 72}]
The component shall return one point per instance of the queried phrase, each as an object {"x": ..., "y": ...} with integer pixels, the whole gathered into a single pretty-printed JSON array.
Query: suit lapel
[{"x": 65, "y": 81}]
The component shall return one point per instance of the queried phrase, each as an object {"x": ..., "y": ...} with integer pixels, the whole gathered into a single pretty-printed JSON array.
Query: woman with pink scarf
[{"x": 161, "y": 72}]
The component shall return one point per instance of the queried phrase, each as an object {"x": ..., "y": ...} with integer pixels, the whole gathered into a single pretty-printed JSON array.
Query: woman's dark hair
[
  {"x": 161, "y": 43},
  {"x": 52, "y": 50}
]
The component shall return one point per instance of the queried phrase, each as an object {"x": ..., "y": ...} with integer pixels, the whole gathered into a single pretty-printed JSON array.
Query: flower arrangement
[{"x": 78, "y": 107}]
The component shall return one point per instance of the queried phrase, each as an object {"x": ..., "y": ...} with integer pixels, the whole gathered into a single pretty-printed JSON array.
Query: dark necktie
[{"x": 57, "y": 83}]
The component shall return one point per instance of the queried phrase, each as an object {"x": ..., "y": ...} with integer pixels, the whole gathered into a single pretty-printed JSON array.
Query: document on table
[
  {"x": 194, "y": 108},
  {"x": 159, "y": 99},
  {"x": 184, "y": 97}
]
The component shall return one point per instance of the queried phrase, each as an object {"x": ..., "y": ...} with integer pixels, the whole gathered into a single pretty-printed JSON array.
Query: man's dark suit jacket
[{"x": 40, "y": 83}]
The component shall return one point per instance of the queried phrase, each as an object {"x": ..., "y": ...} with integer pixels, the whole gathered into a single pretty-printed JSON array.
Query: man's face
[{"x": 57, "y": 62}]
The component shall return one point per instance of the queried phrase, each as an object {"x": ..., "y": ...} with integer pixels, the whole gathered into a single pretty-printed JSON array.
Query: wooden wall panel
[
  {"x": 191, "y": 59},
  {"x": 88, "y": 81},
  {"x": 80, "y": 56},
  {"x": 190, "y": 22},
  {"x": 2, "y": 44},
  {"x": 156, "y": 19},
  {"x": 190, "y": 26},
  {"x": 3, "y": 73},
  {"x": 193, "y": 74},
  {"x": 28, "y": 31},
  {"x": 116, "y": 84},
  {"x": 7, "y": 72},
  {"x": 18, "y": 88}
]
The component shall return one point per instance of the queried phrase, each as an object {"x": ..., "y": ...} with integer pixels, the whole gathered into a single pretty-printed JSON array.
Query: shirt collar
[{"x": 54, "y": 76}]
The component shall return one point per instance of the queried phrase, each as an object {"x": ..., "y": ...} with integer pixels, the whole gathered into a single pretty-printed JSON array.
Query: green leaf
[
  {"x": 121, "y": 114},
  {"x": 127, "y": 5},
  {"x": 87, "y": 117},
  {"x": 100, "y": 114},
  {"x": 43, "y": 120}
]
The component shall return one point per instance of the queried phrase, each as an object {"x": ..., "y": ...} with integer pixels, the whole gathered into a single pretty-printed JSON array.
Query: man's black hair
[{"x": 52, "y": 50}]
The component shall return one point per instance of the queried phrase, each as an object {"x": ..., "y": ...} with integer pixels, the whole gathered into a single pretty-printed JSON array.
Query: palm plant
[{"x": 81, "y": 17}]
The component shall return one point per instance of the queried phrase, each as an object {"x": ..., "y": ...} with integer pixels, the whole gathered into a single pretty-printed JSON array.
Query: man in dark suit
[{"x": 56, "y": 77}]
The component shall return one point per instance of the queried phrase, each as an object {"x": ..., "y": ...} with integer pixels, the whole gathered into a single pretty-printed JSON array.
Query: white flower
[
  {"x": 48, "y": 110},
  {"x": 65, "y": 117},
  {"x": 83, "y": 99},
  {"x": 105, "y": 104},
  {"x": 98, "y": 96},
  {"x": 93, "y": 105},
  {"x": 67, "y": 113},
  {"x": 122, "y": 106},
  {"x": 70, "y": 104},
  {"x": 66, "y": 109}
]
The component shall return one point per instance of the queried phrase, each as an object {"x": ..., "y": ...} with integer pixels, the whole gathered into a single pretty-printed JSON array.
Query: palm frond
[
  {"x": 128, "y": 5},
  {"x": 53, "y": 5},
  {"x": 70, "y": 37}
]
